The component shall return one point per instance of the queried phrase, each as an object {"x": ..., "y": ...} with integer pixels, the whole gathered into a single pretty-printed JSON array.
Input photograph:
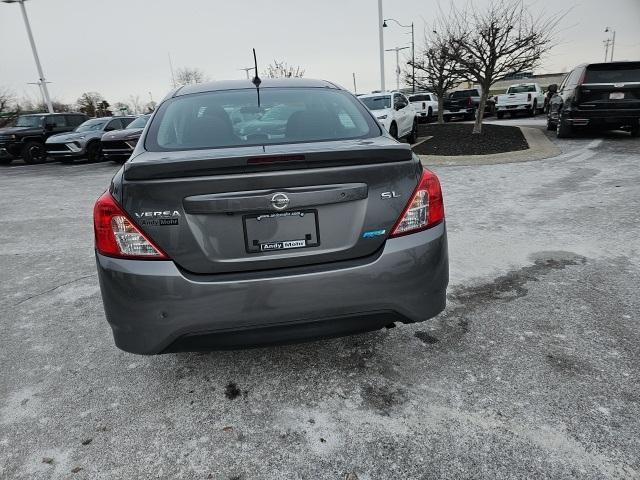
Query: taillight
[
  {"x": 425, "y": 208},
  {"x": 424, "y": 106},
  {"x": 495, "y": 99},
  {"x": 528, "y": 97},
  {"x": 116, "y": 235}
]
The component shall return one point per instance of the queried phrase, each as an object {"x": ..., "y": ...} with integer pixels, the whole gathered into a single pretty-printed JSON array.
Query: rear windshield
[
  {"x": 522, "y": 89},
  {"x": 139, "y": 122},
  {"x": 92, "y": 125},
  {"x": 419, "y": 98},
  {"x": 464, "y": 94},
  {"x": 232, "y": 118},
  {"x": 377, "y": 103},
  {"x": 608, "y": 73}
]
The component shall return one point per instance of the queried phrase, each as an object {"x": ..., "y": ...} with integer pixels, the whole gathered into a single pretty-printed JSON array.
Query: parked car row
[{"x": 69, "y": 136}]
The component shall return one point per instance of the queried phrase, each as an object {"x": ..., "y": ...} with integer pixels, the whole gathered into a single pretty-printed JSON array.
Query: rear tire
[
  {"x": 393, "y": 131},
  {"x": 550, "y": 125},
  {"x": 413, "y": 135},
  {"x": 563, "y": 130},
  {"x": 34, "y": 152},
  {"x": 470, "y": 116},
  {"x": 635, "y": 131},
  {"x": 429, "y": 115},
  {"x": 534, "y": 109}
]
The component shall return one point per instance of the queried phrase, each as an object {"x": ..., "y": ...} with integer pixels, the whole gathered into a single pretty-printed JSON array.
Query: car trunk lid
[{"x": 257, "y": 208}]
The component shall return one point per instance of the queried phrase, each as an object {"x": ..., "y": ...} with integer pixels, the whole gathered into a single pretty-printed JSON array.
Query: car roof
[
  {"x": 244, "y": 84},
  {"x": 47, "y": 113}
]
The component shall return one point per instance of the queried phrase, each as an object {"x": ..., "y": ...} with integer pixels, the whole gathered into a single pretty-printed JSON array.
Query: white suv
[{"x": 393, "y": 111}]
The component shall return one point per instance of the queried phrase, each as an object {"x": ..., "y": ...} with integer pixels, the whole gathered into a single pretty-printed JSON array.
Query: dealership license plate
[
  {"x": 281, "y": 231},
  {"x": 616, "y": 95}
]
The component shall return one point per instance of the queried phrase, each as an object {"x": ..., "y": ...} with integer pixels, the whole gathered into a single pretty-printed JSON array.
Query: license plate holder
[
  {"x": 616, "y": 96},
  {"x": 275, "y": 231}
]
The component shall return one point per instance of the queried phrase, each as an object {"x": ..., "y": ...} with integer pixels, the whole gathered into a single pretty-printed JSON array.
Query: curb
[{"x": 540, "y": 147}]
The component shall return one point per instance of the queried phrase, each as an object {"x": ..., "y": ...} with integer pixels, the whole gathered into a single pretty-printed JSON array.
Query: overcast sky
[{"x": 121, "y": 47}]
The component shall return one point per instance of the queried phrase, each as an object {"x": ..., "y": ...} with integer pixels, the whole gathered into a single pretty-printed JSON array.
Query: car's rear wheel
[
  {"x": 635, "y": 130},
  {"x": 94, "y": 152},
  {"x": 563, "y": 129},
  {"x": 550, "y": 125},
  {"x": 393, "y": 131},
  {"x": 413, "y": 135},
  {"x": 34, "y": 152},
  {"x": 429, "y": 114},
  {"x": 534, "y": 109},
  {"x": 470, "y": 116}
]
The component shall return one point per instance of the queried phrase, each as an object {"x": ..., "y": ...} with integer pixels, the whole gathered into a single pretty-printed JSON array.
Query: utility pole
[
  {"x": 43, "y": 82},
  {"x": 247, "y": 70},
  {"x": 380, "y": 34},
  {"x": 413, "y": 61},
  {"x": 397, "y": 50},
  {"x": 355, "y": 89},
  {"x": 173, "y": 77},
  {"x": 609, "y": 41},
  {"x": 39, "y": 84},
  {"x": 606, "y": 48}
]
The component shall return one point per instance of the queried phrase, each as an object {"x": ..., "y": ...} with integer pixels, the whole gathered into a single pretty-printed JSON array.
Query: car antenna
[{"x": 256, "y": 80}]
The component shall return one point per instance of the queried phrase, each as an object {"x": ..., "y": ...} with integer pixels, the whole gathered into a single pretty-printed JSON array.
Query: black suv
[
  {"x": 605, "y": 96},
  {"x": 26, "y": 139}
]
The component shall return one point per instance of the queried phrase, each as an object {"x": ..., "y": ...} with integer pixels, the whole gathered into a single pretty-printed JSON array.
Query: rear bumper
[
  {"x": 116, "y": 154},
  {"x": 154, "y": 307},
  {"x": 511, "y": 108},
  {"x": 601, "y": 118}
]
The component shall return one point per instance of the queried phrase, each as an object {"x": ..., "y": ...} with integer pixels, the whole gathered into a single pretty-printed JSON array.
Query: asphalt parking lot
[{"x": 532, "y": 372}]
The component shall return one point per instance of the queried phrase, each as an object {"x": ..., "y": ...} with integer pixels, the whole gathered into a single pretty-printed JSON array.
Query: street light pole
[
  {"x": 43, "y": 82},
  {"x": 380, "y": 34},
  {"x": 397, "y": 50},
  {"x": 413, "y": 49},
  {"x": 247, "y": 70}
]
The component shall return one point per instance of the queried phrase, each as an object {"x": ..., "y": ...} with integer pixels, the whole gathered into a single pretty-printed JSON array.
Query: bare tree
[
  {"x": 188, "y": 76},
  {"x": 135, "y": 102},
  {"x": 123, "y": 107},
  {"x": 437, "y": 67},
  {"x": 503, "y": 38},
  {"x": 279, "y": 69},
  {"x": 9, "y": 107},
  {"x": 88, "y": 103}
]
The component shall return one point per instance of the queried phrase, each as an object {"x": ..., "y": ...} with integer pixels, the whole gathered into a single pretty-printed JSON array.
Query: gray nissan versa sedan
[{"x": 211, "y": 238}]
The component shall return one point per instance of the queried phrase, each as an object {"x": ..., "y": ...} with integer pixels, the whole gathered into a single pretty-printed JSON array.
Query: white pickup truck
[{"x": 524, "y": 97}]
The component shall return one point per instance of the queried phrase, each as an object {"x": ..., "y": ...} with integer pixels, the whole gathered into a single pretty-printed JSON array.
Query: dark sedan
[{"x": 118, "y": 146}]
